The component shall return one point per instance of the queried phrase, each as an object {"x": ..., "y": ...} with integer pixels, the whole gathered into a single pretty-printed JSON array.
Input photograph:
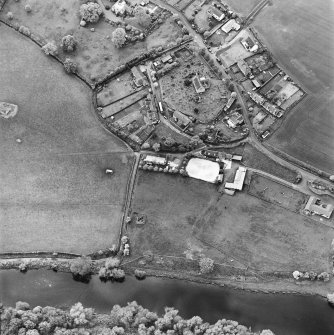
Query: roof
[
  {"x": 239, "y": 179},
  {"x": 140, "y": 79},
  {"x": 316, "y": 206},
  {"x": 166, "y": 58},
  {"x": 155, "y": 160},
  {"x": 230, "y": 25},
  {"x": 198, "y": 85},
  {"x": 203, "y": 169},
  {"x": 216, "y": 13}
]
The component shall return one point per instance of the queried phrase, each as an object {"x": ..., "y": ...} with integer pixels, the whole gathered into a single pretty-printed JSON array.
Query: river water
[{"x": 284, "y": 314}]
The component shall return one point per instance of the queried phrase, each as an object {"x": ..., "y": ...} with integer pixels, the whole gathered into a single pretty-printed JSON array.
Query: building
[
  {"x": 167, "y": 59},
  {"x": 230, "y": 25},
  {"x": 249, "y": 44},
  {"x": 216, "y": 13},
  {"x": 139, "y": 77},
  {"x": 315, "y": 206},
  {"x": 272, "y": 109},
  {"x": 203, "y": 169},
  {"x": 230, "y": 101},
  {"x": 257, "y": 98},
  {"x": 155, "y": 160},
  {"x": 256, "y": 83},
  {"x": 244, "y": 68},
  {"x": 199, "y": 88},
  {"x": 239, "y": 179},
  {"x": 235, "y": 120},
  {"x": 181, "y": 119}
]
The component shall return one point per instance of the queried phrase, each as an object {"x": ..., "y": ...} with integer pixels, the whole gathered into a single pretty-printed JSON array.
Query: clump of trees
[
  {"x": 311, "y": 275},
  {"x": 70, "y": 66},
  {"x": 68, "y": 43},
  {"x": 24, "y": 30},
  {"x": 144, "y": 19},
  {"x": 50, "y": 48},
  {"x": 130, "y": 319},
  {"x": 111, "y": 270},
  {"x": 206, "y": 265},
  {"x": 118, "y": 37},
  {"x": 81, "y": 268},
  {"x": 140, "y": 274},
  {"x": 90, "y": 12}
]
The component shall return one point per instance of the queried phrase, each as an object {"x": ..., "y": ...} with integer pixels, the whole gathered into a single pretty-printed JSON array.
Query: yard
[
  {"x": 276, "y": 193},
  {"x": 55, "y": 194},
  {"x": 179, "y": 92}
]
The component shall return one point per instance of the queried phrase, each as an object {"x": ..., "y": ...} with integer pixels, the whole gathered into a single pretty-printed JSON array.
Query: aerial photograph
[{"x": 167, "y": 167}]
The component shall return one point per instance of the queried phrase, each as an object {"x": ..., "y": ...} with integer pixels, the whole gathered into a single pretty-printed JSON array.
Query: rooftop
[
  {"x": 314, "y": 205},
  {"x": 203, "y": 169}
]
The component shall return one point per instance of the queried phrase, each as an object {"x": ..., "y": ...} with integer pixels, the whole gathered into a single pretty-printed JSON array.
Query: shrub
[
  {"x": 90, "y": 12},
  {"x": 140, "y": 274},
  {"x": 27, "y": 8},
  {"x": 68, "y": 43},
  {"x": 118, "y": 37},
  {"x": 112, "y": 263},
  {"x": 10, "y": 16},
  {"x": 206, "y": 265},
  {"x": 50, "y": 48},
  {"x": 24, "y": 30},
  {"x": 117, "y": 274},
  {"x": 81, "y": 267},
  {"x": 70, "y": 66}
]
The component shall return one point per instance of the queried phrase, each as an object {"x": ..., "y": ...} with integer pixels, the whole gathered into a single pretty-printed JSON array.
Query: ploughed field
[
  {"x": 301, "y": 39},
  {"x": 55, "y": 194}
]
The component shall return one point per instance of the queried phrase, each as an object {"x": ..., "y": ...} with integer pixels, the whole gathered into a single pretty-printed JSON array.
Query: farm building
[
  {"x": 199, "y": 88},
  {"x": 167, "y": 59},
  {"x": 315, "y": 206},
  {"x": 155, "y": 160},
  {"x": 139, "y": 78},
  {"x": 230, "y": 25},
  {"x": 256, "y": 83},
  {"x": 230, "y": 101},
  {"x": 203, "y": 169},
  {"x": 239, "y": 179},
  {"x": 216, "y": 13}
]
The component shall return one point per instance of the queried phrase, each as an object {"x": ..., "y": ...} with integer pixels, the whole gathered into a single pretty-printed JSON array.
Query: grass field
[
  {"x": 255, "y": 159},
  {"x": 264, "y": 236},
  {"x": 55, "y": 194},
  {"x": 276, "y": 193},
  {"x": 305, "y": 48}
]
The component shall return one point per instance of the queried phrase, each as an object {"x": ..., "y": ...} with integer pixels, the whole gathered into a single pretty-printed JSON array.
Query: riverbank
[{"x": 247, "y": 283}]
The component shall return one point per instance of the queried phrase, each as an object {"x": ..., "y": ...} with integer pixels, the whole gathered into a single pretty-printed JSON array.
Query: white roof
[
  {"x": 155, "y": 159},
  {"x": 238, "y": 179},
  {"x": 230, "y": 25},
  {"x": 203, "y": 169}
]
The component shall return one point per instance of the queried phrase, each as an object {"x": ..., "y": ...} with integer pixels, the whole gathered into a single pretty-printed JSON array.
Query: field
[
  {"x": 244, "y": 7},
  {"x": 55, "y": 194},
  {"x": 305, "y": 49},
  {"x": 257, "y": 160},
  {"x": 96, "y": 55},
  {"x": 276, "y": 193},
  {"x": 264, "y": 236}
]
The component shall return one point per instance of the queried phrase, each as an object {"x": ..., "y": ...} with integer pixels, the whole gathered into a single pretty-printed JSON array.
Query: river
[{"x": 284, "y": 314}]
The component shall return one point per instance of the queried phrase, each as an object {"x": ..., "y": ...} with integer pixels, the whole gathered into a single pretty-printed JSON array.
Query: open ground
[{"x": 55, "y": 193}]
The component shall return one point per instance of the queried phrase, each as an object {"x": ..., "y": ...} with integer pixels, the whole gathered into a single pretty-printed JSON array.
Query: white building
[
  {"x": 203, "y": 169},
  {"x": 155, "y": 160},
  {"x": 230, "y": 25},
  {"x": 239, "y": 179}
]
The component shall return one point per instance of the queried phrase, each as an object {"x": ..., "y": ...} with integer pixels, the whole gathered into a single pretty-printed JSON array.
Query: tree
[
  {"x": 206, "y": 265},
  {"x": 169, "y": 142},
  {"x": 50, "y": 48},
  {"x": 206, "y": 34},
  {"x": 143, "y": 18},
  {"x": 90, "y": 12},
  {"x": 118, "y": 37},
  {"x": 112, "y": 263},
  {"x": 70, "y": 66},
  {"x": 68, "y": 43},
  {"x": 81, "y": 267},
  {"x": 156, "y": 147},
  {"x": 27, "y": 8},
  {"x": 140, "y": 274}
]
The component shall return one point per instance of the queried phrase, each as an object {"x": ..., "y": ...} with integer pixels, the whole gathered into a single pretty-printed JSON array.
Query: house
[
  {"x": 235, "y": 120},
  {"x": 256, "y": 83},
  {"x": 249, "y": 44},
  {"x": 257, "y": 98},
  {"x": 155, "y": 160},
  {"x": 181, "y": 119},
  {"x": 244, "y": 68},
  {"x": 316, "y": 206},
  {"x": 199, "y": 88},
  {"x": 239, "y": 179},
  {"x": 139, "y": 77},
  {"x": 167, "y": 59},
  {"x": 230, "y": 101},
  {"x": 230, "y": 25},
  {"x": 216, "y": 13},
  {"x": 272, "y": 109}
]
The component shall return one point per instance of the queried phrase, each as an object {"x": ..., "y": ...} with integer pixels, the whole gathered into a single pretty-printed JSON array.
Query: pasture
[
  {"x": 55, "y": 195},
  {"x": 305, "y": 49}
]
